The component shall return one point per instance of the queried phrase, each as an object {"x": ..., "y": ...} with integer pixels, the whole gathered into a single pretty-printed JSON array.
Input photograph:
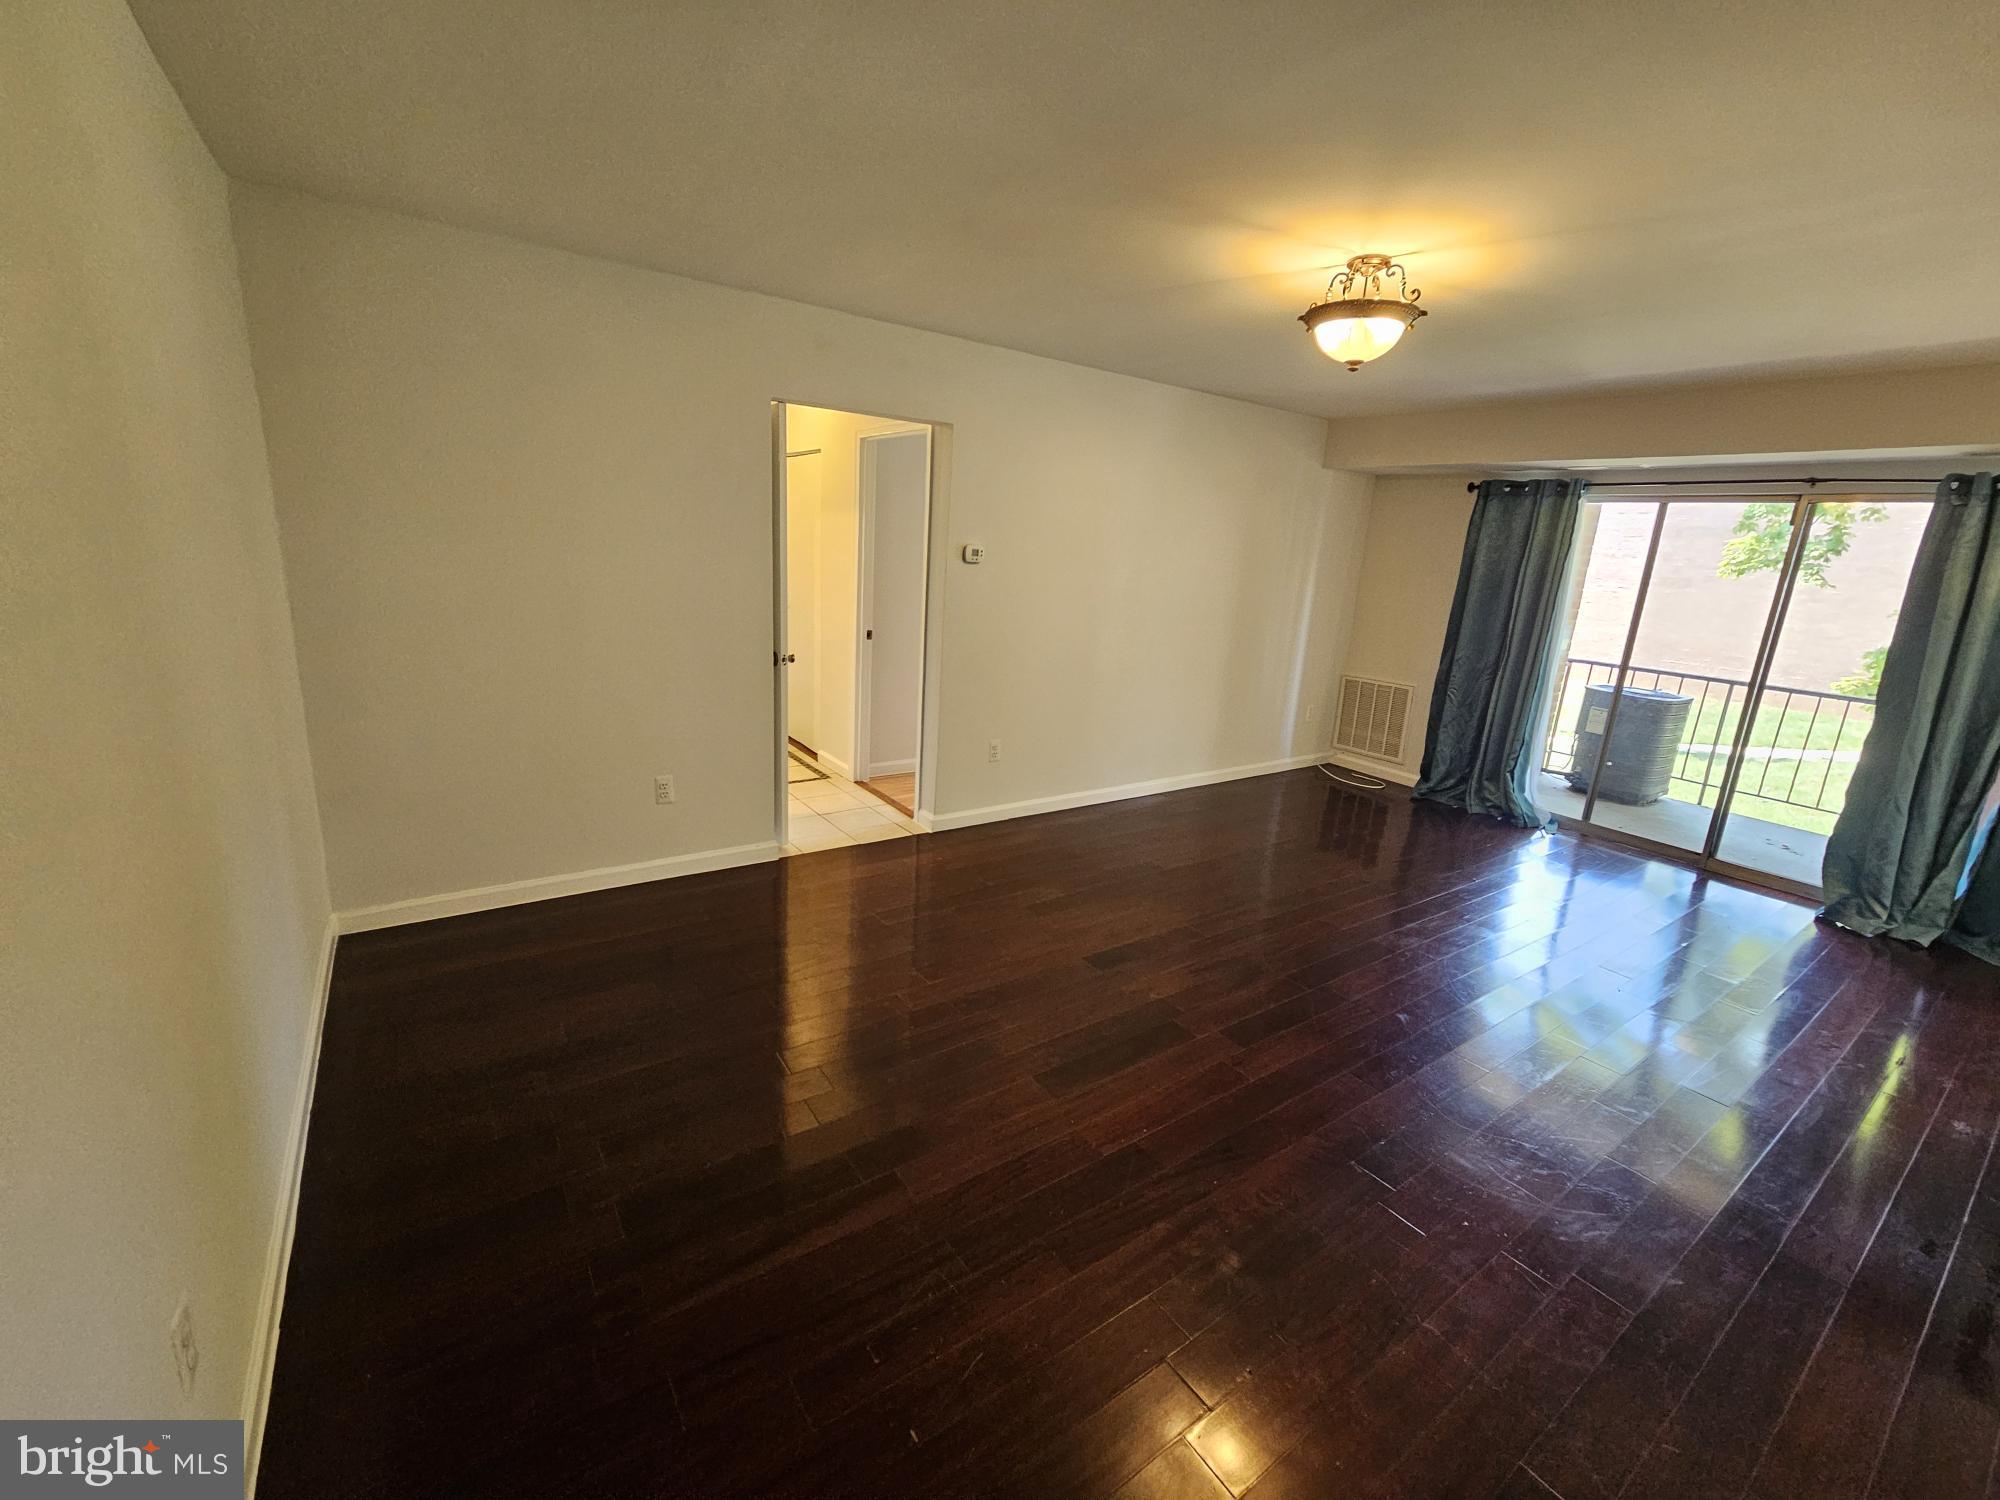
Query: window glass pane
[
  {"x": 1703, "y": 619},
  {"x": 1612, "y": 541},
  {"x": 1815, "y": 712}
]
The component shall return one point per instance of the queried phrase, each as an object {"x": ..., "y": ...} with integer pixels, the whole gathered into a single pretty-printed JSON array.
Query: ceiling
[{"x": 1588, "y": 193}]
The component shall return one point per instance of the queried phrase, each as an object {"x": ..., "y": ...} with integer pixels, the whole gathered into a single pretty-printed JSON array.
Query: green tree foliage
[
  {"x": 1764, "y": 530},
  {"x": 1867, "y": 683},
  {"x": 1757, "y": 544}
]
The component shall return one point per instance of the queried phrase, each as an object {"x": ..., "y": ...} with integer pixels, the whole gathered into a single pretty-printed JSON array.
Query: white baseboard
[
  {"x": 285, "y": 1220},
  {"x": 278, "y": 1257},
  {"x": 518, "y": 892},
  {"x": 836, "y": 765},
  {"x": 264, "y": 1351},
  {"x": 1029, "y": 809},
  {"x": 890, "y": 767}
]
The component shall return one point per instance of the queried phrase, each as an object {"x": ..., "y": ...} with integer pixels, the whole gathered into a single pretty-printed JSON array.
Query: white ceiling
[{"x": 1588, "y": 193}]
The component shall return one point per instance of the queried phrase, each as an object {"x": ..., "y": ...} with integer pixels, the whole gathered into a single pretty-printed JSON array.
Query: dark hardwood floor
[{"x": 1272, "y": 1139}]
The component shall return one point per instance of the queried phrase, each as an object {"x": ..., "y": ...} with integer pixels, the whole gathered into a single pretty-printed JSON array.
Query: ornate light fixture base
[{"x": 1362, "y": 317}]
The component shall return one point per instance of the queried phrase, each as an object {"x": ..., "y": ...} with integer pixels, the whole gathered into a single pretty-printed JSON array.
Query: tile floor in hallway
[{"x": 833, "y": 812}]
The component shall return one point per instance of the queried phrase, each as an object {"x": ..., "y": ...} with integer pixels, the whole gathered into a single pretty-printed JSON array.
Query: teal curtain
[
  {"x": 1912, "y": 855},
  {"x": 1481, "y": 749}
]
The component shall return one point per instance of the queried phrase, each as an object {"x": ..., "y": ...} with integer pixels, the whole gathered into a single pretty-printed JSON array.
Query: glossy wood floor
[{"x": 1271, "y": 1139}]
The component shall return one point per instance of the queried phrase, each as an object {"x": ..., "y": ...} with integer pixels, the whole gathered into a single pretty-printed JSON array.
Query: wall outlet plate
[
  {"x": 663, "y": 789},
  {"x": 992, "y": 749}
]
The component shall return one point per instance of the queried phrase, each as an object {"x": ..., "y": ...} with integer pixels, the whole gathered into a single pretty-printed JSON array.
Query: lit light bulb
[{"x": 1355, "y": 341}]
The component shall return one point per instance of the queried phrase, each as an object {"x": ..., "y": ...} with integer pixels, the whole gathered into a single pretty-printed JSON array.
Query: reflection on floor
[
  {"x": 1754, "y": 843},
  {"x": 827, "y": 814},
  {"x": 1271, "y": 1134}
]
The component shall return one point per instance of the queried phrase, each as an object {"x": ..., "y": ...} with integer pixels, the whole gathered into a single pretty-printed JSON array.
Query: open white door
[
  {"x": 779, "y": 674},
  {"x": 803, "y": 647},
  {"x": 894, "y": 553}
]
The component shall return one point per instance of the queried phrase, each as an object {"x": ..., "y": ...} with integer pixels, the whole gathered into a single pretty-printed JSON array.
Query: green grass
[{"x": 1778, "y": 780}]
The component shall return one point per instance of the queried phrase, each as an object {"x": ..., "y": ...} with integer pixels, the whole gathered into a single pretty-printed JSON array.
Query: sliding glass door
[
  {"x": 1818, "y": 700},
  {"x": 1716, "y": 673}
]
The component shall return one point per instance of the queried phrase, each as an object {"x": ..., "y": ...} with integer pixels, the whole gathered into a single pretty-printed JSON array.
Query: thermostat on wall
[{"x": 972, "y": 552}]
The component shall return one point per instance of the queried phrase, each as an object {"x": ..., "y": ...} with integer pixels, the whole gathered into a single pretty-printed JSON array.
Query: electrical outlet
[
  {"x": 992, "y": 749},
  {"x": 663, "y": 789},
  {"x": 180, "y": 1338},
  {"x": 1311, "y": 709}
]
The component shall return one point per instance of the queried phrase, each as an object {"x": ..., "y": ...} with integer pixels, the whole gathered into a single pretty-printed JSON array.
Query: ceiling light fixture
[{"x": 1358, "y": 319}]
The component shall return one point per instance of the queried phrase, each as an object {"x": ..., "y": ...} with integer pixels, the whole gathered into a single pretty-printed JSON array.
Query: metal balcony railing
[{"x": 1802, "y": 744}]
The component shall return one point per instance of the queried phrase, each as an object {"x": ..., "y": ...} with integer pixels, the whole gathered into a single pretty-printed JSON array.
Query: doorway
[
  {"x": 1717, "y": 670},
  {"x": 853, "y": 545}
]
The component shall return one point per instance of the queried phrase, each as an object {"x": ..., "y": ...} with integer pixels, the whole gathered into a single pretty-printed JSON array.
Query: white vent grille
[{"x": 1372, "y": 717}]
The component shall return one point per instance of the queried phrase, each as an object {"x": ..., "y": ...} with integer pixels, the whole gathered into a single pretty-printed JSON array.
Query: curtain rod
[{"x": 1634, "y": 484}]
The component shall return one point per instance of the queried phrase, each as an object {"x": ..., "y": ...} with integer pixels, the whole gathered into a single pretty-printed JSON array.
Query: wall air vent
[{"x": 1372, "y": 717}]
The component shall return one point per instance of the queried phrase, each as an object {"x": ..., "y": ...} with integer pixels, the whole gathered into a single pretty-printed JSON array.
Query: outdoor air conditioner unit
[{"x": 1645, "y": 737}]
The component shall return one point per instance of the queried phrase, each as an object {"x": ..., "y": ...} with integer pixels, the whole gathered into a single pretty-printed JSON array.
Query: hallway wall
[
  {"x": 166, "y": 900},
  {"x": 526, "y": 499}
]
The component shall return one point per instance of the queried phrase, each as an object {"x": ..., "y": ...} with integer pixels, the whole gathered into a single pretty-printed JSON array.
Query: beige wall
[
  {"x": 1952, "y": 407},
  {"x": 526, "y": 508},
  {"x": 1416, "y": 526},
  {"x": 1409, "y": 570},
  {"x": 166, "y": 902}
]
